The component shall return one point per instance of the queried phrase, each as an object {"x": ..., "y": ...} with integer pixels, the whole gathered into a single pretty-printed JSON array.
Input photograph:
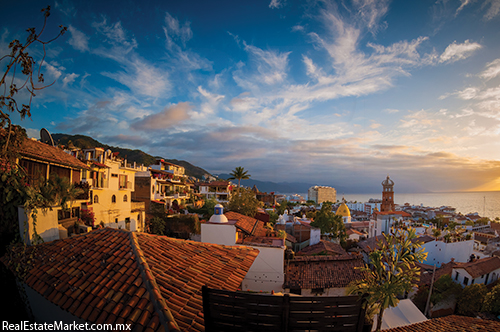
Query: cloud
[
  {"x": 468, "y": 93},
  {"x": 492, "y": 70},
  {"x": 463, "y": 3},
  {"x": 455, "y": 52},
  {"x": 78, "y": 39},
  {"x": 271, "y": 65},
  {"x": 142, "y": 78},
  {"x": 70, "y": 78},
  {"x": 132, "y": 141},
  {"x": 115, "y": 35},
  {"x": 371, "y": 12},
  {"x": 169, "y": 117},
  {"x": 174, "y": 31},
  {"x": 493, "y": 10},
  {"x": 276, "y": 4}
]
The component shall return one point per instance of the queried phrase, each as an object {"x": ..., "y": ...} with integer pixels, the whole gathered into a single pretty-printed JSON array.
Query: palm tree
[
  {"x": 239, "y": 174},
  {"x": 393, "y": 272}
]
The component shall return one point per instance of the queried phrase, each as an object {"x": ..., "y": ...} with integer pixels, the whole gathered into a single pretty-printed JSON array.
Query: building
[
  {"x": 163, "y": 183},
  {"x": 112, "y": 181},
  {"x": 344, "y": 212},
  {"x": 220, "y": 190},
  {"x": 451, "y": 323},
  {"x": 111, "y": 276},
  {"x": 41, "y": 161},
  {"x": 387, "y": 195},
  {"x": 480, "y": 271},
  {"x": 267, "y": 272},
  {"x": 382, "y": 222},
  {"x": 320, "y": 194},
  {"x": 322, "y": 275}
]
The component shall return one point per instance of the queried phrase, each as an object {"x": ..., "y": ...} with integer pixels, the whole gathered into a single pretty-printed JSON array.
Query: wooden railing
[{"x": 240, "y": 311}]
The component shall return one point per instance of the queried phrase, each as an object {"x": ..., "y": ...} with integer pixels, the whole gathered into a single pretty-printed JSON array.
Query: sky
[{"x": 337, "y": 93}]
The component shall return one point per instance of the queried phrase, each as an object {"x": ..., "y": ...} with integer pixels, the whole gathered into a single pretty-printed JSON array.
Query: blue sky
[{"x": 338, "y": 93}]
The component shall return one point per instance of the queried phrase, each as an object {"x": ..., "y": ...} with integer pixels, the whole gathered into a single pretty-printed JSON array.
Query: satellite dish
[{"x": 45, "y": 137}]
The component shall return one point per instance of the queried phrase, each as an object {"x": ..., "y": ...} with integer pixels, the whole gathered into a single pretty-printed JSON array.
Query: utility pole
[{"x": 426, "y": 311}]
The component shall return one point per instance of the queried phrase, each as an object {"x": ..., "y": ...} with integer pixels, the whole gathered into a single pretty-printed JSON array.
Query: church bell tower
[{"x": 387, "y": 195}]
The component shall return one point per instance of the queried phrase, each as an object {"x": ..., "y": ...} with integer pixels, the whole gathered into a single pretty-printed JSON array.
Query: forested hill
[{"x": 140, "y": 157}]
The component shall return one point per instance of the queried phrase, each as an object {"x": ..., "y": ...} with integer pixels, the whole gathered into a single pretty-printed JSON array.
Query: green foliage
[
  {"x": 157, "y": 226},
  {"x": 483, "y": 221},
  {"x": 392, "y": 272},
  {"x": 244, "y": 202},
  {"x": 436, "y": 232},
  {"x": 281, "y": 234},
  {"x": 310, "y": 202},
  {"x": 280, "y": 210},
  {"x": 471, "y": 300},
  {"x": 442, "y": 290},
  {"x": 329, "y": 223},
  {"x": 492, "y": 301},
  {"x": 88, "y": 217},
  {"x": 209, "y": 207},
  {"x": 239, "y": 174},
  {"x": 273, "y": 217}
]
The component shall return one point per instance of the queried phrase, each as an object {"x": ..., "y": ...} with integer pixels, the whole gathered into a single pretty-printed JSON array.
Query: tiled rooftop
[
  {"x": 114, "y": 276},
  {"x": 323, "y": 248},
  {"x": 308, "y": 272},
  {"x": 244, "y": 223},
  {"x": 451, "y": 323},
  {"x": 480, "y": 267},
  {"x": 41, "y": 151}
]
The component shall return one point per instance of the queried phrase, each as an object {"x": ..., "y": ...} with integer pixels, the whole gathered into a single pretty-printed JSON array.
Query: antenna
[{"x": 45, "y": 137}]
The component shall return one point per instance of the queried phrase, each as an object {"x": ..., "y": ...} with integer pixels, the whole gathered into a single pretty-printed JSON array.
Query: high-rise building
[
  {"x": 321, "y": 194},
  {"x": 387, "y": 195}
]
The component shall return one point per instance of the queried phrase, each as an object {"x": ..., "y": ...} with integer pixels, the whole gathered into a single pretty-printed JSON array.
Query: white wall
[
  {"x": 218, "y": 234},
  {"x": 267, "y": 271},
  {"x": 462, "y": 273},
  {"x": 326, "y": 292},
  {"x": 315, "y": 236},
  {"x": 440, "y": 252}
]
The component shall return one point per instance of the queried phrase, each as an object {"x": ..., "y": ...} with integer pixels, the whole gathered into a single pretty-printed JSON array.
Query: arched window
[
  {"x": 113, "y": 199},
  {"x": 124, "y": 198},
  {"x": 96, "y": 199}
]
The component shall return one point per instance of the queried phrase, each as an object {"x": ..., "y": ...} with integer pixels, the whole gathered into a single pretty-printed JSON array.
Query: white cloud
[
  {"x": 169, "y": 117},
  {"x": 78, "y": 39},
  {"x": 115, "y": 35},
  {"x": 493, "y": 10},
  {"x": 455, "y": 52},
  {"x": 371, "y": 12},
  {"x": 492, "y": 70},
  {"x": 271, "y": 65},
  {"x": 468, "y": 93},
  {"x": 174, "y": 31},
  {"x": 276, "y": 4},
  {"x": 463, "y": 3},
  {"x": 70, "y": 78}
]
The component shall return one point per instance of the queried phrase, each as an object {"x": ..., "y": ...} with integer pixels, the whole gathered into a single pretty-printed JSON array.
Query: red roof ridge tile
[{"x": 166, "y": 317}]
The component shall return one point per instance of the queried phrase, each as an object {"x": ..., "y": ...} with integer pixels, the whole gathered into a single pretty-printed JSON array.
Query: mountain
[
  {"x": 268, "y": 186},
  {"x": 140, "y": 157}
]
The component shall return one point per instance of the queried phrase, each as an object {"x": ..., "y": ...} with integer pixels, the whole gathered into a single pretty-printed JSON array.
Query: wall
[
  {"x": 315, "y": 236},
  {"x": 267, "y": 271},
  {"x": 440, "y": 252},
  {"x": 462, "y": 273},
  {"x": 326, "y": 292},
  {"x": 218, "y": 234}
]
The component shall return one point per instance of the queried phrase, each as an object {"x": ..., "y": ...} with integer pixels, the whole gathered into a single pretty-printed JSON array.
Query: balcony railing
[{"x": 126, "y": 185}]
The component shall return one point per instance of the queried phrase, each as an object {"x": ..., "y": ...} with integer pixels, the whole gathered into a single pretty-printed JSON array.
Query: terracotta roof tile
[
  {"x": 41, "y": 151},
  {"x": 451, "y": 323},
  {"x": 323, "y": 248},
  {"x": 135, "y": 274},
  {"x": 308, "y": 272},
  {"x": 244, "y": 223},
  {"x": 480, "y": 267}
]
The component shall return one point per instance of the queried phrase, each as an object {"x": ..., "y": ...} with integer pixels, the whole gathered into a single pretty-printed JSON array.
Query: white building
[
  {"x": 267, "y": 272},
  {"x": 481, "y": 271},
  {"x": 440, "y": 252},
  {"x": 220, "y": 190},
  {"x": 382, "y": 222}
]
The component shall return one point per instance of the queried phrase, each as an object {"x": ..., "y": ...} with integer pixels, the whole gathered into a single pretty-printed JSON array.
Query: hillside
[{"x": 140, "y": 157}]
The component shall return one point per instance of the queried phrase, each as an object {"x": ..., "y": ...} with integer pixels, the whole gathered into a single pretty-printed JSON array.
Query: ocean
[{"x": 486, "y": 203}]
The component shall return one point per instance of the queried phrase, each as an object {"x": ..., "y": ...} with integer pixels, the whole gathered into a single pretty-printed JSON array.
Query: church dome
[{"x": 343, "y": 210}]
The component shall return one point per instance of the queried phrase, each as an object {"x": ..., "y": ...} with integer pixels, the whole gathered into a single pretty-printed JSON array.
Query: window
[
  {"x": 96, "y": 199},
  {"x": 113, "y": 199},
  {"x": 116, "y": 220},
  {"x": 466, "y": 281},
  {"x": 123, "y": 181},
  {"x": 114, "y": 175},
  {"x": 456, "y": 276},
  {"x": 472, "y": 283},
  {"x": 125, "y": 198}
]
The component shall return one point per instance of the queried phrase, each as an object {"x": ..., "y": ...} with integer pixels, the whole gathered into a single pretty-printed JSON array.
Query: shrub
[
  {"x": 471, "y": 300},
  {"x": 492, "y": 301}
]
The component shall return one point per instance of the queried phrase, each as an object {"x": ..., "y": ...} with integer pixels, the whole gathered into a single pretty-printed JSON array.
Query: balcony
[{"x": 97, "y": 183}]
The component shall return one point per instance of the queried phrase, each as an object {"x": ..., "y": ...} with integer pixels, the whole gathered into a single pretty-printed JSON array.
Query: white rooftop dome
[{"x": 218, "y": 217}]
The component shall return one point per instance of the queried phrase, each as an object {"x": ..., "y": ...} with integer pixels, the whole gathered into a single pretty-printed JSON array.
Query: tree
[
  {"x": 442, "y": 289},
  {"x": 239, "y": 174},
  {"x": 492, "y": 301},
  {"x": 393, "y": 271},
  {"x": 244, "y": 203},
  {"x": 157, "y": 226},
  {"x": 471, "y": 300},
  {"x": 330, "y": 224},
  {"x": 436, "y": 232},
  {"x": 19, "y": 57},
  {"x": 282, "y": 207}
]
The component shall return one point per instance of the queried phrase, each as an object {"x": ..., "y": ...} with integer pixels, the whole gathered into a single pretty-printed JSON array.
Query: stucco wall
[
  {"x": 267, "y": 271},
  {"x": 440, "y": 252}
]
